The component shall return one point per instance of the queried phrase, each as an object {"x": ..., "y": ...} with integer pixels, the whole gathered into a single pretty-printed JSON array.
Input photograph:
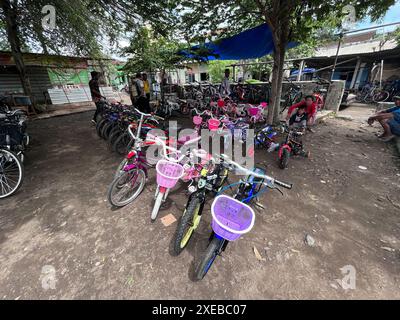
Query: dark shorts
[{"x": 395, "y": 126}]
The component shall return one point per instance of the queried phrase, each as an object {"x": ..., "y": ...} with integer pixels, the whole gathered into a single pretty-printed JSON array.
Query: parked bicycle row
[
  {"x": 13, "y": 143},
  {"x": 374, "y": 92},
  {"x": 205, "y": 175}
]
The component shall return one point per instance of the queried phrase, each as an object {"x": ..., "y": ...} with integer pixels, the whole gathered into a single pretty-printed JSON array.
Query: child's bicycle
[
  {"x": 265, "y": 138},
  {"x": 293, "y": 145},
  {"x": 232, "y": 216},
  {"x": 171, "y": 169},
  {"x": 256, "y": 114},
  {"x": 211, "y": 179},
  {"x": 131, "y": 174}
]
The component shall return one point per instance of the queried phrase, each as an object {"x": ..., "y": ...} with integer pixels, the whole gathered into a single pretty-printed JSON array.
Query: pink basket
[
  {"x": 197, "y": 120},
  {"x": 168, "y": 173},
  {"x": 231, "y": 218},
  {"x": 213, "y": 124},
  {"x": 253, "y": 111}
]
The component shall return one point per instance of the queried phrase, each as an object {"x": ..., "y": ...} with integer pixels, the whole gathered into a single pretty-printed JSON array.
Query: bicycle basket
[
  {"x": 213, "y": 124},
  {"x": 168, "y": 173},
  {"x": 231, "y": 218}
]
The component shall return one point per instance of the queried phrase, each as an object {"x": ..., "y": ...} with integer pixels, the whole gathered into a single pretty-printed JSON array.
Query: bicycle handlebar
[
  {"x": 158, "y": 141},
  {"x": 271, "y": 180}
]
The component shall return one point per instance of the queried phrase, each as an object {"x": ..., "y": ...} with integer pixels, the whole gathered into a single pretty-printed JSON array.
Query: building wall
[{"x": 39, "y": 78}]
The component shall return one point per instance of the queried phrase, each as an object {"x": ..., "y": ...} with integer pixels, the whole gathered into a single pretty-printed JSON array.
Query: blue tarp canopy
[
  {"x": 250, "y": 44},
  {"x": 305, "y": 70}
]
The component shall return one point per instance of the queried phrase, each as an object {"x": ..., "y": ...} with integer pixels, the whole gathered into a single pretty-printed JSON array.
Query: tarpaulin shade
[{"x": 250, "y": 44}]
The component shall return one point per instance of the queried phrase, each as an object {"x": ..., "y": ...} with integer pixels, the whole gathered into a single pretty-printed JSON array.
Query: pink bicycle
[{"x": 171, "y": 169}]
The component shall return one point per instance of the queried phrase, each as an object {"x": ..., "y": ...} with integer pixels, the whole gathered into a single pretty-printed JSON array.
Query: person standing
[
  {"x": 146, "y": 86},
  {"x": 95, "y": 93},
  {"x": 226, "y": 85},
  {"x": 141, "y": 102},
  {"x": 135, "y": 88}
]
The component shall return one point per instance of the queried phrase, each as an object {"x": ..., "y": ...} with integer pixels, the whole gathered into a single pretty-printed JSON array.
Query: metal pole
[
  {"x": 371, "y": 28},
  {"x": 381, "y": 76},
  {"x": 355, "y": 74},
  {"x": 337, "y": 55},
  {"x": 300, "y": 71}
]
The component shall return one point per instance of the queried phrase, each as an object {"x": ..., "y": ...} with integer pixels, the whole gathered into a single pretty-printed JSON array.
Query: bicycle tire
[
  {"x": 381, "y": 96},
  {"x": 284, "y": 160},
  {"x": 106, "y": 130},
  {"x": 157, "y": 205},
  {"x": 20, "y": 178},
  {"x": 208, "y": 258},
  {"x": 99, "y": 126},
  {"x": 113, "y": 137},
  {"x": 127, "y": 178},
  {"x": 121, "y": 145},
  {"x": 188, "y": 224}
]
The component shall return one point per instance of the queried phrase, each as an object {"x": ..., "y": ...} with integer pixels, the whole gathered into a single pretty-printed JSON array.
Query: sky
[{"x": 392, "y": 15}]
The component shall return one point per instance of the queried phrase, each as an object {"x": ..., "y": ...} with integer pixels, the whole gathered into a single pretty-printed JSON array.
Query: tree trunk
[
  {"x": 277, "y": 78},
  {"x": 15, "y": 44}
]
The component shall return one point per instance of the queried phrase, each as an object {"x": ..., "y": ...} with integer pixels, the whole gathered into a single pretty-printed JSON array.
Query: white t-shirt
[{"x": 226, "y": 86}]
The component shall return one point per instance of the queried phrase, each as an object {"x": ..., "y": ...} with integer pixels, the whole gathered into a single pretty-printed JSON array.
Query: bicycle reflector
[{"x": 131, "y": 154}]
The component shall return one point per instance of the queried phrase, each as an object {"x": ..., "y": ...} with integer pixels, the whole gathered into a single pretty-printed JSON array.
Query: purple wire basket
[{"x": 231, "y": 218}]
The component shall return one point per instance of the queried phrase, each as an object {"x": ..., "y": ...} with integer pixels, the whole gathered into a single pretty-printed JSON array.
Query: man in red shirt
[{"x": 311, "y": 110}]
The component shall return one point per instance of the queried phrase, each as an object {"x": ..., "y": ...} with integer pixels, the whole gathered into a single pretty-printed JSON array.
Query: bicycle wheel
[
  {"x": 121, "y": 145},
  {"x": 188, "y": 224},
  {"x": 11, "y": 173},
  {"x": 213, "y": 249},
  {"x": 157, "y": 205},
  {"x": 381, "y": 96},
  {"x": 284, "y": 160},
  {"x": 105, "y": 132},
  {"x": 126, "y": 187},
  {"x": 99, "y": 126},
  {"x": 114, "y": 136}
]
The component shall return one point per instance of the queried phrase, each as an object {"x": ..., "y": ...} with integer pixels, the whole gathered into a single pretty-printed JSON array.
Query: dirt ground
[{"x": 61, "y": 225}]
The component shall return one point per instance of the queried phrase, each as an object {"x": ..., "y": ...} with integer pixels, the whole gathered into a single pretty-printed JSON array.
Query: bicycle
[
  {"x": 232, "y": 216},
  {"x": 211, "y": 181},
  {"x": 11, "y": 173},
  {"x": 169, "y": 171},
  {"x": 293, "y": 145},
  {"x": 293, "y": 95}
]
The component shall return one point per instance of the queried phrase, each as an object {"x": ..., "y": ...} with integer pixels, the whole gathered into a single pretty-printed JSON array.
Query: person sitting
[
  {"x": 299, "y": 119},
  {"x": 389, "y": 119},
  {"x": 310, "y": 109}
]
